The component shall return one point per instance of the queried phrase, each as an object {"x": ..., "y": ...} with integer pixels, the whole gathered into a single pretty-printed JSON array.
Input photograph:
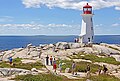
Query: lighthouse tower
[{"x": 87, "y": 31}]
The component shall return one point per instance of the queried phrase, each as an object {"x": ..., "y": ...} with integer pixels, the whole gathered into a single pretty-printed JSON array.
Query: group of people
[
  {"x": 52, "y": 62},
  {"x": 88, "y": 68},
  {"x": 105, "y": 69},
  {"x": 76, "y": 40},
  {"x": 74, "y": 66}
]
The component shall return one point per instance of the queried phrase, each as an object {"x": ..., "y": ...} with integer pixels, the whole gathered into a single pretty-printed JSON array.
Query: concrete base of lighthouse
[{"x": 82, "y": 39}]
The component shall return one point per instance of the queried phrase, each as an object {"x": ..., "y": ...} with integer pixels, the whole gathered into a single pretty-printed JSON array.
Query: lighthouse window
[
  {"x": 89, "y": 9},
  {"x": 91, "y": 28},
  {"x": 85, "y": 9},
  {"x": 91, "y": 19}
]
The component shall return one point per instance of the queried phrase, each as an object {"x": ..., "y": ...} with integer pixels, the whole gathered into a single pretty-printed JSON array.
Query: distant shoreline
[{"x": 54, "y": 35}]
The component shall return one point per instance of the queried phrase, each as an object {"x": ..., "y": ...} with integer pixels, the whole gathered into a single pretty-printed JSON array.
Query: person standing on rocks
[
  {"x": 53, "y": 48},
  {"x": 54, "y": 65},
  {"x": 47, "y": 60},
  {"x": 28, "y": 46},
  {"x": 10, "y": 60},
  {"x": 60, "y": 66},
  {"x": 104, "y": 69},
  {"x": 73, "y": 67},
  {"x": 99, "y": 71},
  {"x": 39, "y": 52},
  {"x": 88, "y": 70},
  {"x": 51, "y": 60},
  {"x": 76, "y": 40}
]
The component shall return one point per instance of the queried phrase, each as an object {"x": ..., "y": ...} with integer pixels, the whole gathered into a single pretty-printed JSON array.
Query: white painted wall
[{"x": 87, "y": 30}]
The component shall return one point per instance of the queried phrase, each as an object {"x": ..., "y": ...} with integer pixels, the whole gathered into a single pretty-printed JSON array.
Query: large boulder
[
  {"x": 29, "y": 45},
  {"x": 34, "y": 53},
  {"x": 103, "y": 49},
  {"x": 67, "y": 70},
  {"x": 47, "y": 47},
  {"x": 33, "y": 49},
  {"x": 18, "y": 49},
  {"x": 28, "y": 61},
  {"x": 7, "y": 55},
  {"x": 11, "y": 71},
  {"x": 62, "y": 45},
  {"x": 34, "y": 70},
  {"x": 74, "y": 45}
]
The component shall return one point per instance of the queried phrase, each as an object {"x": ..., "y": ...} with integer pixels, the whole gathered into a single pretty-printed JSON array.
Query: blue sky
[{"x": 57, "y": 17}]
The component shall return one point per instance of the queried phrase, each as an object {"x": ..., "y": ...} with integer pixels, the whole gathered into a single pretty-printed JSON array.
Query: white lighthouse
[{"x": 87, "y": 31}]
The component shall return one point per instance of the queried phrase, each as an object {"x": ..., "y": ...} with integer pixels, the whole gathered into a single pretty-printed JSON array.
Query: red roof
[{"x": 87, "y": 6}]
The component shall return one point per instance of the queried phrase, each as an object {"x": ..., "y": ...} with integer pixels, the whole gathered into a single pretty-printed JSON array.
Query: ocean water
[{"x": 10, "y": 42}]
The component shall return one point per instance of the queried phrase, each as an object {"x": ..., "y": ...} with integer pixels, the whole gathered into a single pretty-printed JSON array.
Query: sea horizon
[
  {"x": 11, "y": 42},
  {"x": 62, "y": 35}
]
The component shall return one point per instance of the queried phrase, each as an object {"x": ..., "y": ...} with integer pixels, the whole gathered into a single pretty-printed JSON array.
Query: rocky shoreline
[
  {"x": 61, "y": 50},
  {"x": 31, "y": 51}
]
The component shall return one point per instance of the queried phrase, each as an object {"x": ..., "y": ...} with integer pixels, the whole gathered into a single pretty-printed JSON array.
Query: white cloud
[
  {"x": 115, "y": 24},
  {"x": 36, "y": 29},
  {"x": 117, "y": 8},
  {"x": 57, "y": 25},
  {"x": 98, "y": 25},
  {"x": 39, "y": 26},
  {"x": 72, "y": 4}
]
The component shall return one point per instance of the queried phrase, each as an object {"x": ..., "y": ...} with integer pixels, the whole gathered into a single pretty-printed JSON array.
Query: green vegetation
[
  {"x": 95, "y": 58},
  {"x": 18, "y": 64},
  {"x": 80, "y": 66},
  {"x": 43, "y": 77},
  {"x": 67, "y": 64},
  {"x": 17, "y": 60},
  {"x": 28, "y": 66},
  {"x": 4, "y": 65},
  {"x": 104, "y": 78},
  {"x": 51, "y": 77}
]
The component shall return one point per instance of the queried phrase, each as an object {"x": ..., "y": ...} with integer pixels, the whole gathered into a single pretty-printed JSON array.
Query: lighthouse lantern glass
[{"x": 87, "y": 10}]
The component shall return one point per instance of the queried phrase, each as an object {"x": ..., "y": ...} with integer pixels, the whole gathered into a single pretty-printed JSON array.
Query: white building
[{"x": 87, "y": 31}]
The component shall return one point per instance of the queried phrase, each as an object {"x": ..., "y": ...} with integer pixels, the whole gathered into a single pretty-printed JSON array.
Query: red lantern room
[{"x": 87, "y": 9}]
